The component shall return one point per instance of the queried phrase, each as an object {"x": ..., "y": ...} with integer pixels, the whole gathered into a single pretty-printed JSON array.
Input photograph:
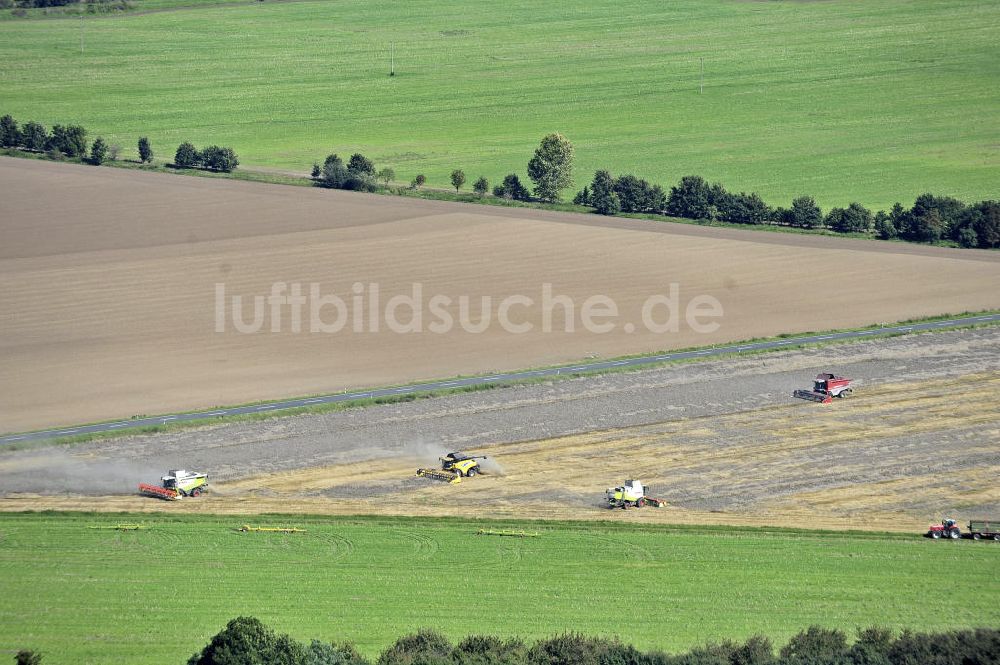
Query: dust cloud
[{"x": 58, "y": 471}]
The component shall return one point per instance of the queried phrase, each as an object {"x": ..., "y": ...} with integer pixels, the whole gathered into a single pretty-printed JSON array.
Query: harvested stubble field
[
  {"x": 844, "y": 100},
  {"x": 723, "y": 442},
  {"x": 109, "y": 305}
]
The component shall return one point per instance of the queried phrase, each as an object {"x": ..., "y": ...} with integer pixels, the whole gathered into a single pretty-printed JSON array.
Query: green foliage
[
  {"x": 145, "y": 150},
  {"x": 360, "y": 174},
  {"x": 551, "y": 168},
  {"x": 34, "y": 136},
  {"x": 98, "y": 151},
  {"x": 805, "y": 213},
  {"x": 386, "y": 175},
  {"x": 10, "y": 135},
  {"x": 602, "y": 194},
  {"x": 489, "y": 650},
  {"x": 25, "y": 657},
  {"x": 187, "y": 156},
  {"x": 247, "y": 641},
  {"x": 215, "y": 158},
  {"x": 978, "y": 225},
  {"x": 691, "y": 198},
  {"x": 321, "y": 653},
  {"x": 511, "y": 188},
  {"x": 853, "y": 219},
  {"x": 637, "y": 195},
  {"x": 70, "y": 140},
  {"x": 481, "y": 186},
  {"x": 885, "y": 229},
  {"x": 816, "y": 646},
  {"x": 425, "y": 647},
  {"x": 582, "y": 197},
  {"x": 457, "y": 179},
  {"x": 334, "y": 173},
  {"x": 418, "y": 181}
]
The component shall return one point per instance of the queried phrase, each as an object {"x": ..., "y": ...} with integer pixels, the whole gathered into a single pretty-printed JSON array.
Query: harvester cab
[
  {"x": 825, "y": 388},
  {"x": 177, "y": 483},
  {"x": 454, "y": 467},
  {"x": 632, "y": 493},
  {"x": 948, "y": 528}
]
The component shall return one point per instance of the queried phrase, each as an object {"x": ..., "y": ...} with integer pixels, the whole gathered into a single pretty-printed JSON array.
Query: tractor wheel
[
  {"x": 996, "y": 536},
  {"x": 473, "y": 471},
  {"x": 976, "y": 536},
  {"x": 935, "y": 534},
  {"x": 459, "y": 472},
  {"x": 196, "y": 491},
  {"x": 954, "y": 534},
  {"x": 640, "y": 503}
]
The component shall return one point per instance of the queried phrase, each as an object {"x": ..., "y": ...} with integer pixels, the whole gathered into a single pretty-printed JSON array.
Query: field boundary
[{"x": 409, "y": 392}]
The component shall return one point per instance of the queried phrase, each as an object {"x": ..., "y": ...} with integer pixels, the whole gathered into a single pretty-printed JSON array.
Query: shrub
[
  {"x": 70, "y": 140},
  {"x": 418, "y": 181},
  {"x": 744, "y": 208},
  {"x": 98, "y": 151},
  {"x": 216, "y": 158},
  {"x": 885, "y": 229},
  {"x": 25, "y": 657},
  {"x": 481, "y": 186},
  {"x": 489, "y": 650},
  {"x": 805, "y": 213},
  {"x": 187, "y": 156},
  {"x": 511, "y": 188},
  {"x": 634, "y": 194},
  {"x": 34, "y": 136},
  {"x": 247, "y": 641},
  {"x": 816, "y": 646},
  {"x": 692, "y": 198},
  {"x": 582, "y": 197},
  {"x": 978, "y": 225},
  {"x": 425, "y": 646},
  {"x": 145, "y": 150},
  {"x": 602, "y": 194},
  {"x": 320, "y": 653},
  {"x": 457, "y": 179},
  {"x": 10, "y": 135}
]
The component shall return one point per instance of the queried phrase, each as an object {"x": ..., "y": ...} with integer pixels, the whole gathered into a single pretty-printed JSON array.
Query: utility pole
[
  {"x": 392, "y": 58},
  {"x": 701, "y": 89}
]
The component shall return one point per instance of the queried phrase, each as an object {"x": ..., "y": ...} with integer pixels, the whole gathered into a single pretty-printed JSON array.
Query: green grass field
[
  {"x": 845, "y": 100},
  {"x": 85, "y": 595}
]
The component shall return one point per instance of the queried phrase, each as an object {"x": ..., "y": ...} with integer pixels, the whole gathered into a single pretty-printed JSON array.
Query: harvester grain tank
[
  {"x": 825, "y": 388},
  {"x": 631, "y": 494},
  {"x": 454, "y": 467},
  {"x": 176, "y": 484}
]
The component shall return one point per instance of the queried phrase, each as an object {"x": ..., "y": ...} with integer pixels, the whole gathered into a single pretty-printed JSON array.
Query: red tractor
[
  {"x": 948, "y": 528},
  {"x": 825, "y": 388}
]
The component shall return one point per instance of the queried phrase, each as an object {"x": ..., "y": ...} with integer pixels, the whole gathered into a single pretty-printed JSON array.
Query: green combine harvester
[{"x": 176, "y": 484}]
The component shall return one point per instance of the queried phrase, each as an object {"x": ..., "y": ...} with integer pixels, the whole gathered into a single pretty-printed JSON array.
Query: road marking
[
  {"x": 117, "y": 425},
  {"x": 16, "y": 438},
  {"x": 620, "y": 362},
  {"x": 312, "y": 401},
  {"x": 702, "y": 353},
  {"x": 165, "y": 418},
  {"x": 261, "y": 408},
  {"x": 216, "y": 413}
]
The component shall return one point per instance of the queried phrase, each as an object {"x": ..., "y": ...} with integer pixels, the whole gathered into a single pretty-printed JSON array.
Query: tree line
[
  {"x": 70, "y": 141},
  {"x": 930, "y": 219},
  {"x": 247, "y": 641}
]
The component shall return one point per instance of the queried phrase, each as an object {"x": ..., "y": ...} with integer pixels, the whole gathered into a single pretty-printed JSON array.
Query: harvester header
[{"x": 176, "y": 484}]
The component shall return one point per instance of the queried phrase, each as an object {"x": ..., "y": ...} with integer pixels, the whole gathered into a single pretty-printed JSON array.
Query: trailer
[{"x": 979, "y": 529}]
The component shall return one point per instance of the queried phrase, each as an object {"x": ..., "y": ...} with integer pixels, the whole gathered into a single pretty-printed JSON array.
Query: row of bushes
[
  {"x": 930, "y": 219},
  {"x": 247, "y": 640},
  {"x": 213, "y": 158}
]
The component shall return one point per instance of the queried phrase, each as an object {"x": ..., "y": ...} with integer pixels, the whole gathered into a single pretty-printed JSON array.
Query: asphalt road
[{"x": 483, "y": 380}]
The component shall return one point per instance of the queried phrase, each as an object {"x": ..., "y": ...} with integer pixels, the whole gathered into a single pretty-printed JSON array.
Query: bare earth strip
[
  {"x": 108, "y": 305},
  {"x": 723, "y": 442}
]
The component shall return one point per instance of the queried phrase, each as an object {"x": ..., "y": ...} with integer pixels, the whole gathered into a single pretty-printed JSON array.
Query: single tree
[
  {"x": 513, "y": 189},
  {"x": 386, "y": 175},
  {"x": 187, "y": 156},
  {"x": 247, "y": 640},
  {"x": 691, "y": 198},
  {"x": 316, "y": 171},
  {"x": 457, "y": 179},
  {"x": 10, "y": 135},
  {"x": 98, "y": 151},
  {"x": 360, "y": 174},
  {"x": 551, "y": 169},
  {"x": 805, "y": 213},
  {"x": 334, "y": 173},
  {"x": 602, "y": 194},
  {"x": 145, "y": 150},
  {"x": 34, "y": 136},
  {"x": 481, "y": 186},
  {"x": 418, "y": 181}
]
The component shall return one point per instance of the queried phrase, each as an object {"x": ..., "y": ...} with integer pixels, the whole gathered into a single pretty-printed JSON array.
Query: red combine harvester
[{"x": 825, "y": 388}]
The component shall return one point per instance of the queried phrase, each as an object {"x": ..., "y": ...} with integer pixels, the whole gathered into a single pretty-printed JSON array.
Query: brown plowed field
[{"x": 109, "y": 287}]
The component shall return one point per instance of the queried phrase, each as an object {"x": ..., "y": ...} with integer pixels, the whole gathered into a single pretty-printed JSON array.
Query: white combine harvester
[{"x": 632, "y": 493}]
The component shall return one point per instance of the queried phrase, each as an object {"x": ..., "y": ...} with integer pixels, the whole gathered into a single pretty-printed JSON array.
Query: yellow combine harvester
[{"x": 454, "y": 466}]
